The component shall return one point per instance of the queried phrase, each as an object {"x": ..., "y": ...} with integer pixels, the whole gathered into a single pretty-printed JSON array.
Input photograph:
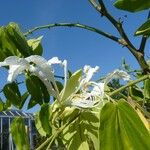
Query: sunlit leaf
[
  {"x": 44, "y": 116},
  {"x": 18, "y": 39},
  {"x": 19, "y": 134},
  {"x": 42, "y": 120},
  {"x": 132, "y": 5},
  {"x": 77, "y": 136},
  {"x": 144, "y": 29},
  {"x": 72, "y": 85},
  {"x": 39, "y": 126},
  {"x": 1, "y": 106},
  {"x": 36, "y": 45},
  {"x": 122, "y": 128}
]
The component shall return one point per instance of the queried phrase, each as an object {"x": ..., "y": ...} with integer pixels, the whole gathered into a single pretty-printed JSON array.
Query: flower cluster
[{"x": 88, "y": 93}]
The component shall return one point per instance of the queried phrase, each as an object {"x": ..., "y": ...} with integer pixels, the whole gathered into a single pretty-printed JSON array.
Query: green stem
[
  {"x": 78, "y": 25},
  {"x": 53, "y": 137},
  {"x": 129, "y": 84}
]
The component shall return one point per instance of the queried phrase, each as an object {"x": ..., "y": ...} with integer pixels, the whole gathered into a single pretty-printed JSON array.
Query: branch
[
  {"x": 97, "y": 7},
  {"x": 118, "y": 25},
  {"x": 129, "y": 84},
  {"x": 144, "y": 39},
  {"x": 78, "y": 25}
]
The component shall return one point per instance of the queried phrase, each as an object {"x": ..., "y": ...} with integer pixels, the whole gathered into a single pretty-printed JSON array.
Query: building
[{"x": 6, "y": 142}]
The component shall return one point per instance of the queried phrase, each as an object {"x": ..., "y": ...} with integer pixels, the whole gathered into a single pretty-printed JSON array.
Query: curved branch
[
  {"x": 129, "y": 84},
  {"x": 78, "y": 25},
  {"x": 118, "y": 25}
]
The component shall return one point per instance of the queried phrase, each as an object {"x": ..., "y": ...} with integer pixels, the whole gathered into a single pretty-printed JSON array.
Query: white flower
[
  {"x": 117, "y": 74},
  {"x": 89, "y": 72},
  {"x": 37, "y": 66},
  {"x": 80, "y": 103},
  {"x": 54, "y": 60},
  {"x": 98, "y": 89},
  {"x": 91, "y": 93},
  {"x": 16, "y": 66}
]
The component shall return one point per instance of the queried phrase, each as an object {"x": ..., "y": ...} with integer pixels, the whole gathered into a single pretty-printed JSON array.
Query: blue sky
[{"x": 78, "y": 46}]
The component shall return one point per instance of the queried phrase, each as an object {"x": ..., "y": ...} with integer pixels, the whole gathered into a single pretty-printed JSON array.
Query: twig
[
  {"x": 129, "y": 84},
  {"x": 78, "y": 25},
  {"x": 118, "y": 25},
  {"x": 144, "y": 39},
  {"x": 97, "y": 7}
]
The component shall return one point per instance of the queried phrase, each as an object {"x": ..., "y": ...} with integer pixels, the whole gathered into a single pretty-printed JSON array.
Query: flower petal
[
  {"x": 54, "y": 60},
  {"x": 89, "y": 72},
  {"x": 14, "y": 60},
  {"x": 3, "y": 64},
  {"x": 15, "y": 70},
  {"x": 83, "y": 103},
  {"x": 98, "y": 90},
  {"x": 117, "y": 74},
  {"x": 43, "y": 77},
  {"x": 38, "y": 60}
]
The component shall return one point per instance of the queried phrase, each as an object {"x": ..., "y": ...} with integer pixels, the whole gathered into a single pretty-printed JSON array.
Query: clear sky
[{"x": 78, "y": 46}]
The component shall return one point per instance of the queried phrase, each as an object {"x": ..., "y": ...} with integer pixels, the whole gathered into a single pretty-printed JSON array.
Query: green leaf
[
  {"x": 7, "y": 47},
  {"x": 18, "y": 39},
  {"x": 136, "y": 94},
  {"x": 13, "y": 42},
  {"x": 32, "y": 103},
  {"x": 42, "y": 120},
  {"x": 23, "y": 99},
  {"x": 38, "y": 91},
  {"x": 36, "y": 45},
  {"x": 147, "y": 89},
  {"x": 1, "y": 106},
  {"x": 71, "y": 86},
  {"x": 44, "y": 116},
  {"x": 39, "y": 126},
  {"x": 59, "y": 85},
  {"x": 33, "y": 87},
  {"x": 122, "y": 128},
  {"x": 144, "y": 29},
  {"x": 125, "y": 65},
  {"x": 19, "y": 134},
  {"x": 80, "y": 134},
  {"x": 45, "y": 94},
  {"x": 12, "y": 93},
  {"x": 132, "y": 5}
]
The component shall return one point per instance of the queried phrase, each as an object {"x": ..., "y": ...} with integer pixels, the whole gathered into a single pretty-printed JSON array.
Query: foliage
[
  {"x": 19, "y": 134},
  {"x": 78, "y": 113}
]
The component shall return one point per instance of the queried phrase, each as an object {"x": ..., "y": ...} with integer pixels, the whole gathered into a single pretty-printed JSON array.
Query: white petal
[
  {"x": 89, "y": 72},
  {"x": 98, "y": 90},
  {"x": 54, "y": 60},
  {"x": 43, "y": 77},
  {"x": 3, "y": 64},
  {"x": 65, "y": 72},
  {"x": 15, "y": 70},
  {"x": 83, "y": 103},
  {"x": 117, "y": 74},
  {"x": 14, "y": 60},
  {"x": 38, "y": 60}
]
